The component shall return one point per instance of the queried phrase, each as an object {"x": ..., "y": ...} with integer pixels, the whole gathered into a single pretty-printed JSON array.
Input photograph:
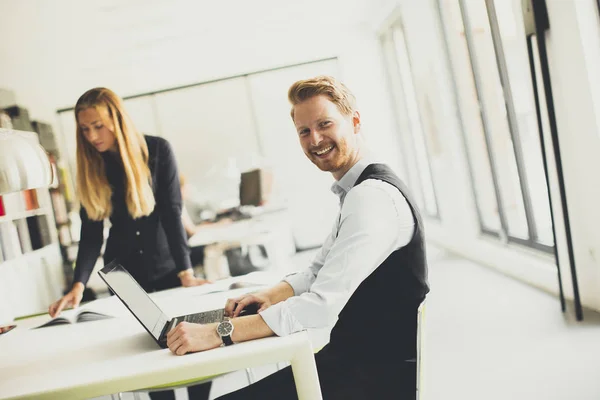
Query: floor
[{"x": 489, "y": 337}]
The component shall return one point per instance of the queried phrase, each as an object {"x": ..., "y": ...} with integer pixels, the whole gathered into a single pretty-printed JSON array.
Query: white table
[
  {"x": 270, "y": 228},
  {"x": 264, "y": 220},
  {"x": 117, "y": 355}
]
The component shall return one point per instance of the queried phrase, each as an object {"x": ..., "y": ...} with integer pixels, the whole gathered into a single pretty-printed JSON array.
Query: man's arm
[
  {"x": 302, "y": 281},
  {"x": 375, "y": 221},
  {"x": 189, "y": 338},
  {"x": 373, "y": 225},
  {"x": 186, "y": 337},
  {"x": 292, "y": 285}
]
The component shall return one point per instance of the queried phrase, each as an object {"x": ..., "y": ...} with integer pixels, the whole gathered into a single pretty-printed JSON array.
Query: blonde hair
[
  {"x": 92, "y": 185},
  {"x": 328, "y": 86}
]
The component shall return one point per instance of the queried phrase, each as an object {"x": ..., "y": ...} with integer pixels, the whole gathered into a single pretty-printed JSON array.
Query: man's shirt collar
[{"x": 343, "y": 186}]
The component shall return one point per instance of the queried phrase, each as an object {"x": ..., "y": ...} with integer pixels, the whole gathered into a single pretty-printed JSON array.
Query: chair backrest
[{"x": 420, "y": 347}]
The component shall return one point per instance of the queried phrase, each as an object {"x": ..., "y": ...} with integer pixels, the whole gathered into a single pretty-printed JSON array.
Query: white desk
[
  {"x": 271, "y": 229},
  {"x": 266, "y": 221},
  {"x": 117, "y": 355}
]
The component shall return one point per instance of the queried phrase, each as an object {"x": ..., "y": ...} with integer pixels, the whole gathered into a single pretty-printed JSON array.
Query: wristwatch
[{"x": 225, "y": 329}]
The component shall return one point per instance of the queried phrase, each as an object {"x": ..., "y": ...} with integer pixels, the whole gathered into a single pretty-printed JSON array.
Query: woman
[{"x": 133, "y": 180}]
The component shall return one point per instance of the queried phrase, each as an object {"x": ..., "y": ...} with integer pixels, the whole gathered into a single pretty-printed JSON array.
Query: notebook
[{"x": 75, "y": 317}]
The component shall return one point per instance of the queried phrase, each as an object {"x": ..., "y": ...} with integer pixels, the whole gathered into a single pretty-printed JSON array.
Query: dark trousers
[
  {"x": 169, "y": 281},
  {"x": 198, "y": 392},
  {"x": 340, "y": 379},
  {"x": 197, "y": 255}
]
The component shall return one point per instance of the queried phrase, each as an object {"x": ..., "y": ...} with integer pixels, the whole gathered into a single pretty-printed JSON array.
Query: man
[{"x": 370, "y": 273}]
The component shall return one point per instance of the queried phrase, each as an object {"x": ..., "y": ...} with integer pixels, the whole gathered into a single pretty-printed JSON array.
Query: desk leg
[{"x": 305, "y": 374}]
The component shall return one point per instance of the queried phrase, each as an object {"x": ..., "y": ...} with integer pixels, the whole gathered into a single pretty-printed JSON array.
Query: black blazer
[{"x": 150, "y": 247}]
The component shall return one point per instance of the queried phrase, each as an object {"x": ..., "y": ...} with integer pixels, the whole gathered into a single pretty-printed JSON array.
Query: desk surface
[{"x": 115, "y": 355}]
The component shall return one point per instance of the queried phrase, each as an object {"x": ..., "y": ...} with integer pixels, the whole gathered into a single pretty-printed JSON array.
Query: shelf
[
  {"x": 38, "y": 252},
  {"x": 25, "y": 214},
  {"x": 32, "y": 255}
]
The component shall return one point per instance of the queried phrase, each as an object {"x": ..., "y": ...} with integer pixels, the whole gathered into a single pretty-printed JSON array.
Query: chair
[{"x": 420, "y": 347}]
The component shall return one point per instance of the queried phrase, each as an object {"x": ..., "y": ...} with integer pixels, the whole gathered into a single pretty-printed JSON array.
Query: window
[
  {"x": 528, "y": 145},
  {"x": 472, "y": 120},
  {"x": 488, "y": 50}
]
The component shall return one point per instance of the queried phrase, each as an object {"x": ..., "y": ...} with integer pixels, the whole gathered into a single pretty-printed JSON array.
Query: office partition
[
  {"x": 142, "y": 111},
  {"x": 212, "y": 131},
  {"x": 312, "y": 205}
]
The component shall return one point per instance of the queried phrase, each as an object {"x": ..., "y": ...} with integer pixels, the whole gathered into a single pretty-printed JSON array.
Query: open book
[{"x": 73, "y": 318}]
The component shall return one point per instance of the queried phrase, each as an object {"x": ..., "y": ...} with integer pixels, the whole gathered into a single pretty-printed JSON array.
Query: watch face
[{"x": 225, "y": 328}]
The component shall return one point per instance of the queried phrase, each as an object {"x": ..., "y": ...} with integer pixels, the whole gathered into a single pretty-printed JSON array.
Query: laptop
[{"x": 146, "y": 311}]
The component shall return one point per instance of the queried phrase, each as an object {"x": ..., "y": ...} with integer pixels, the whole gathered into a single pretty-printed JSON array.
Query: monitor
[{"x": 255, "y": 187}]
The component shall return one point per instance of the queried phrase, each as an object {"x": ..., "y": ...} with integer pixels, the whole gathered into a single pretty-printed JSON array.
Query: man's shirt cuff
[{"x": 299, "y": 281}]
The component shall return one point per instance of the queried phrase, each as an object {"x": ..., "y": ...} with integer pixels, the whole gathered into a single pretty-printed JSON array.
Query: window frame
[{"x": 388, "y": 35}]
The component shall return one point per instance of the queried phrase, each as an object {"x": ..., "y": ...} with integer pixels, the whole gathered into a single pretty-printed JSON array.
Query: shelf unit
[
  {"x": 25, "y": 214},
  {"x": 31, "y": 266},
  {"x": 30, "y": 283},
  {"x": 62, "y": 196}
]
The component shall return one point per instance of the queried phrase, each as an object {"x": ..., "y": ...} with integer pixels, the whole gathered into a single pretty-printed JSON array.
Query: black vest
[{"x": 378, "y": 325}]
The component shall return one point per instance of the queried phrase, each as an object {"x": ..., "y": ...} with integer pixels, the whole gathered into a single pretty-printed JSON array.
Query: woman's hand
[
  {"x": 234, "y": 306},
  {"x": 224, "y": 221},
  {"x": 72, "y": 299},
  {"x": 189, "y": 338},
  {"x": 188, "y": 279}
]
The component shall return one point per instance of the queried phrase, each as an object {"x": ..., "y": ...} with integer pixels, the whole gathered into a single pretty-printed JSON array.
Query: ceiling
[
  {"x": 133, "y": 45},
  {"x": 91, "y": 31}
]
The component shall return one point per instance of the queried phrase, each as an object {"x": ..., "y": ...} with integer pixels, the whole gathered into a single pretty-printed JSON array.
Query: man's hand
[
  {"x": 71, "y": 299},
  {"x": 188, "y": 279},
  {"x": 189, "y": 338},
  {"x": 263, "y": 299},
  {"x": 234, "y": 306}
]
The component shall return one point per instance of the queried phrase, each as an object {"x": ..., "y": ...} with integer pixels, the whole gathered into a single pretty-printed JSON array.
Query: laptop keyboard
[{"x": 207, "y": 317}]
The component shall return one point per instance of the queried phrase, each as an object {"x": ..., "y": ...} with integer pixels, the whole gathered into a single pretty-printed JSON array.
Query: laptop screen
[{"x": 134, "y": 297}]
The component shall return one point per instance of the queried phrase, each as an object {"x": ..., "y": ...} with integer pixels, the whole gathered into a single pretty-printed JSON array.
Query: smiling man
[{"x": 370, "y": 274}]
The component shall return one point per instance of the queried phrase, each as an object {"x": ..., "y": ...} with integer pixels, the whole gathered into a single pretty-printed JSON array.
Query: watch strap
[{"x": 227, "y": 340}]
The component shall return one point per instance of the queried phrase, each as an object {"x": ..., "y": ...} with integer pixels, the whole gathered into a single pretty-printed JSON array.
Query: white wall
[{"x": 61, "y": 48}]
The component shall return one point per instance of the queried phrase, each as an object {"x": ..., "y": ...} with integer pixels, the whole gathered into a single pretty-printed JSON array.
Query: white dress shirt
[{"x": 374, "y": 221}]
